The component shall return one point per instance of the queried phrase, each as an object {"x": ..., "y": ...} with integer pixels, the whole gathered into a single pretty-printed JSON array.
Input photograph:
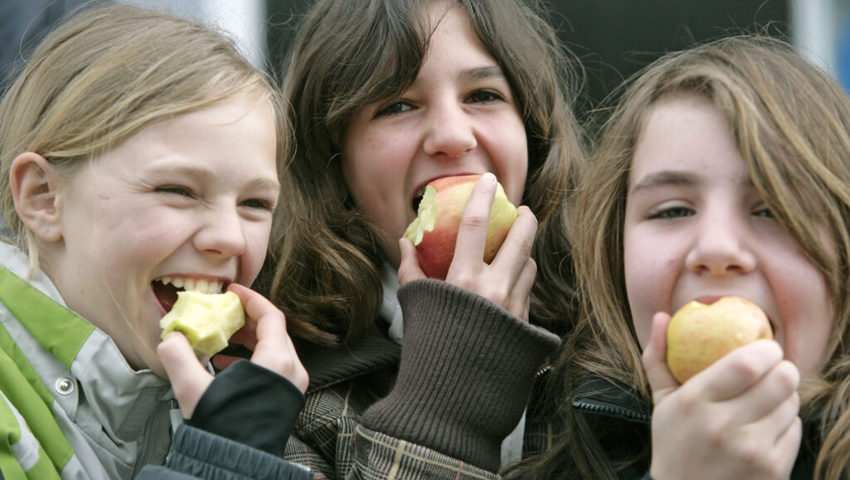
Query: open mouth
[
  {"x": 165, "y": 289},
  {"x": 417, "y": 198}
]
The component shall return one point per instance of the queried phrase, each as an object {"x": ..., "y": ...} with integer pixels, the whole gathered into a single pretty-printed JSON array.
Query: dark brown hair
[{"x": 326, "y": 259}]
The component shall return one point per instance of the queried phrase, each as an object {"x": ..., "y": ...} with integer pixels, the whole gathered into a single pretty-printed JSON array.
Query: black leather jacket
[{"x": 622, "y": 421}]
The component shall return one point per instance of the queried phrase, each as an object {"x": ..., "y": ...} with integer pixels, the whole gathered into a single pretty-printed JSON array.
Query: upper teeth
[{"x": 191, "y": 284}]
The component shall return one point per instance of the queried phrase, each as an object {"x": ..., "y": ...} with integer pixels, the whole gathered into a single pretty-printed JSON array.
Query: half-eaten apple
[
  {"x": 434, "y": 231},
  {"x": 700, "y": 333},
  {"x": 208, "y": 320}
]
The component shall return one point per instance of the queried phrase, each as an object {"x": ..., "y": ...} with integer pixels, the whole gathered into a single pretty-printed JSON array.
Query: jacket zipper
[{"x": 612, "y": 411}]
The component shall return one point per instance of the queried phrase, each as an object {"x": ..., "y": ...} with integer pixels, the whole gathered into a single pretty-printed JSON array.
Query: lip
[{"x": 709, "y": 299}]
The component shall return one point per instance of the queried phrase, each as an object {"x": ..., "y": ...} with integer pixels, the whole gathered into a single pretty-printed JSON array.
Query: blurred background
[{"x": 612, "y": 38}]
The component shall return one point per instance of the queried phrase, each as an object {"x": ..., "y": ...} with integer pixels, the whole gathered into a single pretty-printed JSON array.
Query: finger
[
  {"x": 408, "y": 268},
  {"x": 777, "y": 439},
  {"x": 274, "y": 349},
  {"x": 188, "y": 377},
  {"x": 661, "y": 381},
  {"x": 788, "y": 444},
  {"x": 739, "y": 370},
  {"x": 472, "y": 233},
  {"x": 269, "y": 324},
  {"x": 767, "y": 395},
  {"x": 511, "y": 258},
  {"x": 519, "y": 301}
]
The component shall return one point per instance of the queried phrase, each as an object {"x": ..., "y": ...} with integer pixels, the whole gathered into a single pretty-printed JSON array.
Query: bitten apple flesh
[
  {"x": 699, "y": 333},
  {"x": 434, "y": 230},
  {"x": 208, "y": 320}
]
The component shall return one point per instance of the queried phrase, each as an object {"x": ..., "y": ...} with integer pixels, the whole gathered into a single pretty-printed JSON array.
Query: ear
[{"x": 34, "y": 191}]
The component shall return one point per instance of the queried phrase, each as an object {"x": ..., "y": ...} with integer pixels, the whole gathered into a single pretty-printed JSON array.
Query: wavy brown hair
[
  {"x": 790, "y": 124},
  {"x": 325, "y": 261}
]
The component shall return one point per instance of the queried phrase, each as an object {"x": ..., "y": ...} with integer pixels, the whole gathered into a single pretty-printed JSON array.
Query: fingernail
[{"x": 488, "y": 177}]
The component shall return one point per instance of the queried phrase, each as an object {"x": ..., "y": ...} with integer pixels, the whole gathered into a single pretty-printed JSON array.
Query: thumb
[
  {"x": 661, "y": 381},
  {"x": 188, "y": 377},
  {"x": 408, "y": 268}
]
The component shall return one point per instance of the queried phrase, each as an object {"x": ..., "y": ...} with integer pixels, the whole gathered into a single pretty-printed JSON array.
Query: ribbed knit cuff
[{"x": 465, "y": 375}]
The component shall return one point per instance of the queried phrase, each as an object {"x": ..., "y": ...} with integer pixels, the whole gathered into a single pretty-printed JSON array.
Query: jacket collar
[
  {"x": 70, "y": 355},
  {"x": 599, "y": 396},
  {"x": 329, "y": 366}
]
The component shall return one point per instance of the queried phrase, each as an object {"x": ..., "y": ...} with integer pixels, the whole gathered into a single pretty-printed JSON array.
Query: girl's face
[
  {"x": 459, "y": 116},
  {"x": 696, "y": 228},
  {"x": 188, "y": 198}
]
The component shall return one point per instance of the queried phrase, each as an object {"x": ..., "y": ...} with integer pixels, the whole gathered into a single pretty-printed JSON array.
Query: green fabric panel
[
  {"x": 9, "y": 466},
  {"x": 35, "y": 410},
  {"x": 10, "y": 433},
  {"x": 59, "y": 330}
]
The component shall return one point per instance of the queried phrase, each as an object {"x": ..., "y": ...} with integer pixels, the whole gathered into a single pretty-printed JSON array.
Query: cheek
[
  {"x": 510, "y": 156},
  {"x": 648, "y": 281},
  {"x": 255, "y": 253},
  {"x": 808, "y": 317}
]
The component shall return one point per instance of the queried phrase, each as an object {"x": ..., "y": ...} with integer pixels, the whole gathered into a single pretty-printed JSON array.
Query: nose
[
  {"x": 721, "y": 246},
  {"x": 221, "y": 234},
  {"x": 449, "y": 130}
]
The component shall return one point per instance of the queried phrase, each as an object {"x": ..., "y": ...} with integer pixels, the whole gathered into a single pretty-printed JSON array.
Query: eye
[
  {"x": 764, "y": 212},
  {"x": 483, "y": 96},
  {"x": 670, "y": 213},
  {"x": 259, "y": 204},
  {"x": 175, "y": 189},
  {"x": 394, "y": 109}
]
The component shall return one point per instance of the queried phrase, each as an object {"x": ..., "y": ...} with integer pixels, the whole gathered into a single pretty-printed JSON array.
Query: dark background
[{"x": 612, "y": 38}]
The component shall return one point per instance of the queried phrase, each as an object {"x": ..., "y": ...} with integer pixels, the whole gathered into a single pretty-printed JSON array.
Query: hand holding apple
[
  {"x": 264, "y": 333},
  {"x": 738, "y": 419},
  {"x": 434, "y": 231},
  {"x": 207, "y": 320},
  {"x": 699, "y": 334}
]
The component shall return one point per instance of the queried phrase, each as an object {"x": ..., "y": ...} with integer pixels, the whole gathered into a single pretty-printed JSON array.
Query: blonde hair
[
  {"x": 790, "y": 124},
  {"x": 104, "y": 74},
  {"x": 327, "y": 258}
]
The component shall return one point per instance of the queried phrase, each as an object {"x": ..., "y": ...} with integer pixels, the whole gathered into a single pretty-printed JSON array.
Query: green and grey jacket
[
  {"x": 71, "y": 407},
  {"x": 437, "y": 408}
]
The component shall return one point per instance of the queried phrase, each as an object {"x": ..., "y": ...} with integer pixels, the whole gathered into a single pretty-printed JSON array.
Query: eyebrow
[
  {"x": 206, "y": 173},
  {"x": 479, "y": 73},
  {"x": 663, "y": 178},
  {"x": 673, "y": 178}
]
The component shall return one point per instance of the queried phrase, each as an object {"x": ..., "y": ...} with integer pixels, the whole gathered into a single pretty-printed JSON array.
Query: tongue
[{"x": 166, "y": 295}]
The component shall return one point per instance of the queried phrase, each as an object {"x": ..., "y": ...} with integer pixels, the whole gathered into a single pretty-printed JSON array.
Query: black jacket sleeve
[
  {"x": 251, "y": 405},
  {"x": 196, "y": 454}
]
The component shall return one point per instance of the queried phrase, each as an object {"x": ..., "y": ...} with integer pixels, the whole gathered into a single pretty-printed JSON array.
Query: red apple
[
  {"x": 699, "y": 333},
  {"x": 434, "y": 231}
]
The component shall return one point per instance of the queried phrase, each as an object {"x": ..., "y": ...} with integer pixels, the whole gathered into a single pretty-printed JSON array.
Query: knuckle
[
  {"x": 474, "y": 220},
  {"x": 747, "y": 366}
]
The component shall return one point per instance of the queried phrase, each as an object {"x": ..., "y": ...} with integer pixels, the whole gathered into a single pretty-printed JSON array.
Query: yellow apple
[
  {"x": 699, "y": 333},
  {"x": 206, "y": 319},
  {"x": 434, "y": 230}
]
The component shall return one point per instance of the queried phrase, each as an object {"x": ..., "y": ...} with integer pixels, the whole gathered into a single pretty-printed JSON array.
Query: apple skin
[
  {"x": 208, "y": 320},
  {"x": 699, "y": 333},
  {"x": 434, "y": 231}
]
